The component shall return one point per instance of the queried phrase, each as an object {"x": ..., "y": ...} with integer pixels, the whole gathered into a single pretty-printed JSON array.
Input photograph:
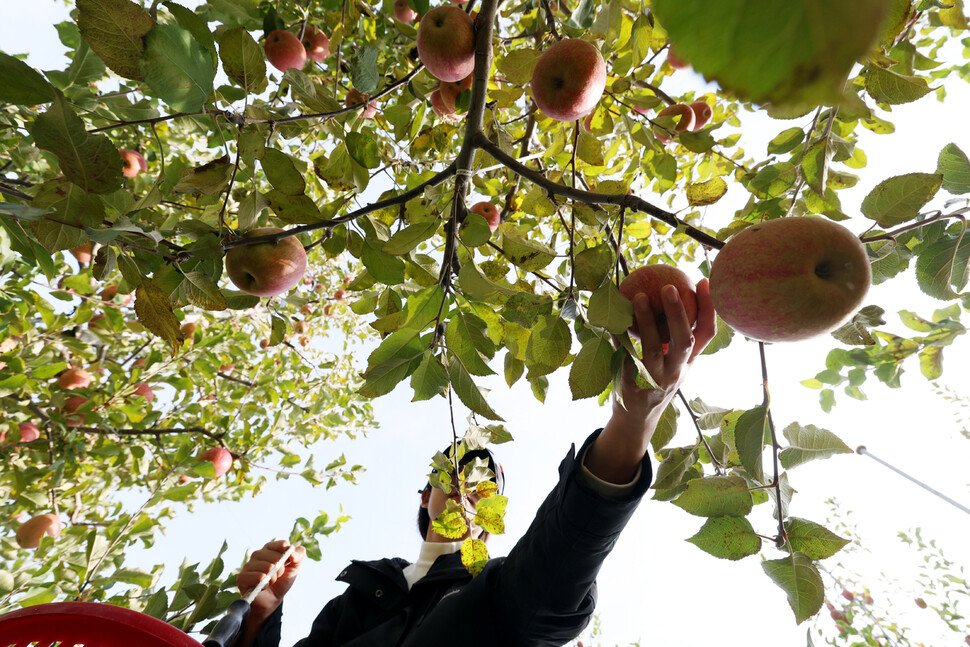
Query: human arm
[
  {"x": 269, "y": 599},
  {"x": 619, "y": 450}
]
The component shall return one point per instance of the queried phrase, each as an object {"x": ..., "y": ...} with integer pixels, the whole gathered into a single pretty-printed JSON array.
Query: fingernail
[
  {"x": 671, "y": 294},
  {"x": 641, "y": 301}
]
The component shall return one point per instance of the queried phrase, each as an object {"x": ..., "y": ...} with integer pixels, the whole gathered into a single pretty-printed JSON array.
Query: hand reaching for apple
[
  {"x": 617, "y": 452},
  {"x": 260, "y": 563}
]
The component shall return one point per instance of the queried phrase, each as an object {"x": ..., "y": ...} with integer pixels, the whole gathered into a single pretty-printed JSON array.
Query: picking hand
[{"x": 262, "y": 562}]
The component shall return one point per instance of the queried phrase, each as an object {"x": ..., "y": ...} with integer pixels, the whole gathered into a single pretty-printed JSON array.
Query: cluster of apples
[
  {"x": 783, "y": 280},
  {"x": 689, "y": 117},
  {"x": 284, "y": 50}
]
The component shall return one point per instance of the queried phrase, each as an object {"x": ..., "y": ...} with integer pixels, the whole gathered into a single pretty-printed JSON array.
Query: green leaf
[
  {"x": 89, "y": 161},
  {"x": 242, "y": 59},
  {"x": 465, "y": 337},
  {"x": 529, "y": 255},
  {"x": 807, "y": 443},
  {"x": 474, "y": 555},
  {"x": 815, "y": 166},
  {"x": 282, "y": 172},
  {"x": 814, "y": 540},
  {"x": 154, "y": 311},
  {"x": 467, "y": 391},
  {"x": 666, "y": 427},
  {"x": 384, "y": 267},
  {"x": 518, "y": 64},
  {"x": 899, "y": 199},
  {"x": 548, "y": 346},
  {"x": 202, "y": 292},
  {"x": 582, "y": 16},
  {"x": 705, "y": 193},
  {"x": 773, "y": 52},
  {"x": 86, "y": 68},
  {"x": 364, "y": 150},
  {"x": 115, "y": 30},
  {"x": 942, "y": 268},
  {"x": 393, "y": 360},
  {"x": 429, "y": 379},
  {"x": 799, "y": 579},
  {"x": 197, "y": 26},
  {"x": 750, "y": 438},
  {"x": 450, "y": 523},
  {"x": 885, "y": 86},
  {"x": 727, "y": 538},
  {"x": 786, "y": 141},
  {"x": 674, "y": 467},
  {"x": 294, "y": 209},
  {"x": 592, "y": 266},
  {"x": 931, "y": 362},
  {"x": 953, "y": 165},
  {"x": 211, "y": 178},
  {"x": 177, "y": 68},
  {"x": 405, "y": 240},
  {"x": 591, "y": 371},
  {"x": 22, "y": 84},
  {"x": 716, "y": 496},
  {"x": 73, "y": 210},
  {"x": 609, "y": 309},
  {"x": 363, "y": 69}
]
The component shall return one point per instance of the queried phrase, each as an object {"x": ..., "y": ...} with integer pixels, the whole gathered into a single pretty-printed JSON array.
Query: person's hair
[{"x": 424, "y": 519}]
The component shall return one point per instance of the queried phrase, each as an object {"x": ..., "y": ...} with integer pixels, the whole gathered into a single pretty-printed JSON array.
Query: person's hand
[
  {"x": 616, "y": 454},
  {"x": 642, "y": 406},
  {"x": 262, "y": 562}
]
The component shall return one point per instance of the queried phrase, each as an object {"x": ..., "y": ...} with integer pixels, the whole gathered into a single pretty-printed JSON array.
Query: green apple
[{"x": 790, "y": 279}]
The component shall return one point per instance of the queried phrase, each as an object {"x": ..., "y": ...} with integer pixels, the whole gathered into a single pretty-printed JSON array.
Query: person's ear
[{"x": 425, "y": 497}]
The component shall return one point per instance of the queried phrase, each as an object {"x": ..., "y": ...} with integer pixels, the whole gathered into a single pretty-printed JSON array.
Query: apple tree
[{"x": 589, "y": 166}]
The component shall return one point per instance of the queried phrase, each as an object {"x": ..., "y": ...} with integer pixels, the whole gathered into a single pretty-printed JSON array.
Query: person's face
[{"x": 436, "y": 501}]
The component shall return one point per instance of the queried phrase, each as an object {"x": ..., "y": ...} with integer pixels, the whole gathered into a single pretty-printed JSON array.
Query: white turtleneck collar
[{"x": 430, "y": 551}]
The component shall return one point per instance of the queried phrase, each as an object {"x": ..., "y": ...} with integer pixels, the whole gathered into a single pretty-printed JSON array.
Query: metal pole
[{"x": 861, "y": 449}]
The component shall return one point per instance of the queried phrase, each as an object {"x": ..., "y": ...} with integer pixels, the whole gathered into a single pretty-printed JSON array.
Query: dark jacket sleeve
[
  {"x": 546, "y": 586},
  {"x": 321, "y": 633}
]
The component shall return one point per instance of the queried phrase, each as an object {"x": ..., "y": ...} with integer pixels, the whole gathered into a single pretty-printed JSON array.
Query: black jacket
[{"x": 542, "y": 594}]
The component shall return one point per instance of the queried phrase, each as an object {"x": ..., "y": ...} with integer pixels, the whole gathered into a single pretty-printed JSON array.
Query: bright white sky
[{"x": 655, "y": 586}]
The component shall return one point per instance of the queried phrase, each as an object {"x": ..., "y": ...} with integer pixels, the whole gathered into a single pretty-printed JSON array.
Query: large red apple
[
  {"x": 284, "y": 50},
  {"x": 145, "y": 391},
  {"x": 444, "y": 106},
  {"x": 28, "y": 432},
  {"x": 490, "y": 212},
  {"x": 446, "y": 43},
  {"x": 702, "y": 114},
  {"x": 316, "y": 43},
  {"x": 132, "y": 162},
  {"x": 790, "y": 278},
  {"x": 451, "y": 89},
  {"x": 266, "y": 269},
  {"x": 403, "y": 11},
  {"x": 221, "y": 459},
  {"x": 650, "y": 280},
  {"x": 74, "y": 378},
  {"x": 684, "y": 117},
  {"x": 569, "y": 79},
  {"x": 110, "y": 292},
  {"x": 30, "y": 532},
  {"x": 72, "y": 404},
  {"x": 82, "y": 253}
]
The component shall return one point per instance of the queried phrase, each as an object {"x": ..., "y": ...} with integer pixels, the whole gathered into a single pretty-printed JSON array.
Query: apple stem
[{"x": 717, "y": 464}]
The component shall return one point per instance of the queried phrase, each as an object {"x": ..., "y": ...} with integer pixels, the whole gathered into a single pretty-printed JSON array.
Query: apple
[
  {"x": 446, "y": 43},
  {"x": 490, "y": 212},
  {"x": 316, "y": 43},
  {"x": 569, "y": 79},
  {"x": 328, "y": 310},
  {"x": 356, "y": 98},
  {"x": 98, "y": 322},
  {"x": 141, "y": 362},
  {"x": 266, "y": 269},
  {"x": 304, "y": 341},
  {"x": 921, "y": 603},
  {"x": 132, "y": 162},
  {"x": 340, "y": 295},
  {"x": 74, "y": 378},
  {"x": 109, "y": 293},
  {"x": 284, "y": 50},
  {"x": 264, "y": 344},
  {"x": 307, "y": 310},
  {"x": 650, "y": 280},
  {"x": 451, "y": 89},
  {"x": 684, "y": 116},
  {"x": 30, "y": 532},
  {"x": 145, "y": 391},
  {"x": 348, "y": 280},
  {"x": 403, "y": 11},
  {"x": 790, "y": 279},
  {"x": 72, "y": 404},
  {"x": 443, "y": 106},
  {"x": 702, "y": 114},
  {"x": 82, "y": 253},
  {"x": 676, "y": 61},
  {"x": 301, "y": 327},
  {"x": 848, "y": 595},
  {"x": 227, "y": 368},
  {"x": 28, "y": 432},
  {"x": 220, "y": 457}
]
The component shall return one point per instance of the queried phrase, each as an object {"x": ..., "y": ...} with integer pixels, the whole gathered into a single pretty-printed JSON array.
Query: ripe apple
[
  {"x": 676, "y": 61},
  {"x": 132, "y": 162},
  {"x": 74, "y": 378},
  {"x": 340, "y": 295},
  {"x": 569, "y": 79},
  {"x": 848, "y": 595},
  {"x": 266, "y": 269},
  {"x": 28, "y": 432},
  {"x": 82, "y": 253},
  {"x": 443, "y": 106},
  {"x": 72, "y": 404},
  {"x": 301, "y": 327},
  {"x": 284, "y": 50},
  {"x": 451, "y": 89},
  {"x": 304, "y": 341},
  {"x": 650, "y": 280},
  {"x": 356, "y": 98},
  {"x": 684, "y": 116},
  {"x": 109, "y": 293},
  {"x": 264, "y": 344},
  {"x": 141, "y": 362},
  {"x": 921, "y": 603},
  {"x": 316, "y": 43},
  {"x": 490, "y": 212},
  {"x": 446, "y": 43},
  {"x": 227, "y": 368},
  {"x": 30, "y": 532},
  {"x": 790, "y": 279},
  {"x": 328, "y": 310},
  {"x": 702, "y": 114},
  {"x": 307, "y": 310},
  {"x": 145, "y": 391},
  {"x": 220, "y": 457},
  {"x": 403, "y": 11}
]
